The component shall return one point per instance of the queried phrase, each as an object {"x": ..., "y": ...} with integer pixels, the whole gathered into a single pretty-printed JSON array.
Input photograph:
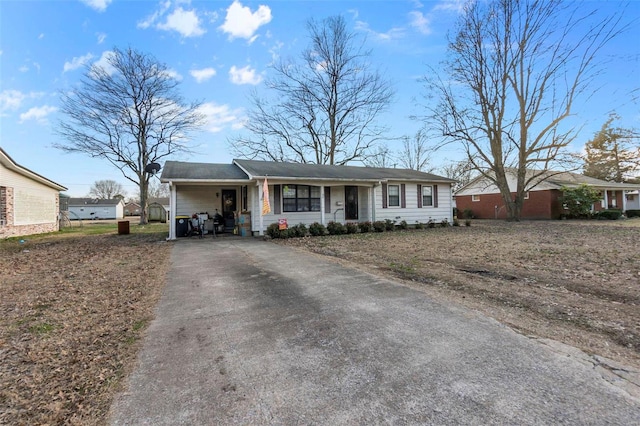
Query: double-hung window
[
  {"x": 427, "y": 196},
  {"x": 301, "y": 198},
  {"x": 394, "y": 195}
]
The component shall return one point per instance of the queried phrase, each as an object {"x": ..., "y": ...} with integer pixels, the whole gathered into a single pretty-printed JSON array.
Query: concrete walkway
[{"x": 249, "y": 332}]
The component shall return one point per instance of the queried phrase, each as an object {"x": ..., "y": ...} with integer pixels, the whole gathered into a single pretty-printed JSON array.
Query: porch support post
[
  {"x": 322, "y": 204},
  {"x": 172, "y": 211},
  {"x": 606, "y": 200},
  {"x": 624, "y": 201},
  {"x": 260, "y": 200},
  {"x": 373, "y": 203}
]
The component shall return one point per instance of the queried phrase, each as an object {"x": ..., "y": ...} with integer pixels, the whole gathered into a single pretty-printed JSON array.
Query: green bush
[
  {"x": 632, "y": 213},
  {"x": 419, "y": 225},
  {"x": 431, "y": 223},
  {"x": 467, "y": 214},
  {"x": 403, "y": 224},
  {"x": 444, "y": 223},
  {"x": 578, "y": 200},
  {"x": 389, "y": 225},
  {"x": 336, "y": 228},
  {"x": 379, "y": 226},
  {"x": 298, "y": 231},
  {"x": 365, "y": 226},
  {"x": 456, "y": 222},
  {"x": 611, "y": 214},
  {"x": 351, "y": 228},
  {"x": 273, "y": 231},
  {"x": 317, "y": 229}
]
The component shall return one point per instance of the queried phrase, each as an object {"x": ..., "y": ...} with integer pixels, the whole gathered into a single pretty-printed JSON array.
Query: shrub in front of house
[
  {"x": 632, "y": 213},
  {"x": 273, "y": 230},
  {"x": 379, "y": 226},
  {"x": 298, "y": 231},
  {"x": 611, "y": 214},
  {"x": 389, "y": 225},
  {"x": 419, "y": 225},
  {"x": 365, "y": 226},
  {"x": 431, "y": 223},
  {"x": 403, "y": 224},
  {"x": 336, "y": 228},
  {"x": 317, "y": 229},
  {"x": 351, "y": 227},
  {"x": 467, "y": 222},
  {"x": 467, "y": 214},
  {"x": 444, "y": 223},
  {"x": 456, "y": 222}
]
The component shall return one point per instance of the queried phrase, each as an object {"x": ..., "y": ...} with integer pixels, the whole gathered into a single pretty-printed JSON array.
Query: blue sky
[{"x": 220, "y": 51}]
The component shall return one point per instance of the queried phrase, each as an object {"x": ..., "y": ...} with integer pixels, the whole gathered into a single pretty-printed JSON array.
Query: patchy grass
[
  {"x": 577, "y": 282},
  {"x": 74, "y": 307}
]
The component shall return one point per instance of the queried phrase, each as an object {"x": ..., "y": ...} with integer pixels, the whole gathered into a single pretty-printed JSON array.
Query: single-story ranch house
[
  {"x": 29, "y": 203},
  {"x": 543, "y": 200},
  {"x": 92, "y": 208},
  {"x": 303, "y": 193}
]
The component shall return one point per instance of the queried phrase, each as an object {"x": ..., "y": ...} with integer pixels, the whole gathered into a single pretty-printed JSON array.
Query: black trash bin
[{"x": 182, "y": 226}]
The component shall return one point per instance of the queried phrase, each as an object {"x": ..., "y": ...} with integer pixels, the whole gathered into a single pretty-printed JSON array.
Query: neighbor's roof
[
  {"x": 557, "y": 179},
  {"x": 93, "y": 201},
  {"x": 8, "y": 162},
  {"x": 253, "y": 169}
]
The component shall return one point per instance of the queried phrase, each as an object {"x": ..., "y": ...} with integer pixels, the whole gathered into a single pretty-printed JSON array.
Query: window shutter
[
  {"x": 327, "y": 199},
  {"x": 435, "y": 195},
  {"x": 419, "y": 196},
  {"x": 276, "y": 199},
  {"x": 403, "y": 196},
  {"x": 384, "y": 196}
]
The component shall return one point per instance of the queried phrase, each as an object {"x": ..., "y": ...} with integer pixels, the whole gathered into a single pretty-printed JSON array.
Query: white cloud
[
  {"x": 451, "y": 5},
  {"x": 77, "y": 62},
  {"x": 203, "y": 74},
  {"x": 41, "y": 36},
  {"x": 39, "y": 114},
  {"x": 11, "y": 100},
  {"x": 242, "y": 23},
  {"x": 186, "y": 22},
  {"x": 23, "y": 68},
  {"x": 103, "y": 62},
  {"x": 150, "y": 20},
  {"x": 173, "y": 74},
  {"x": 244, "y": 75},
  {"x": 392, "y": 34},
  {"x": 101, "y": 37},
  {"x": 220, "y": 116},
  {"x": 420, "y": 22},
  {"x": 99, "y": 5}
]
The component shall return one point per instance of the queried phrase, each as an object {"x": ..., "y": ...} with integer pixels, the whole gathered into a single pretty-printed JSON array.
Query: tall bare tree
[
  {"x": 462, "y": 172},
  {"x": 158, "y": 189},
  {"x": 322, "y": 109},
  {"x": 130, "y": 114},
  {"x": 380, "y": 157},
  {"x": 610, "y": 155},
  {"x": 107, "y": 190},
  {"x": 416, "y": 152},
  {"x": 515, "y": 70}
]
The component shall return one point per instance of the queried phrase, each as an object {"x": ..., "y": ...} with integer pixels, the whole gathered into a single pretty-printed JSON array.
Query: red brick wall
[{"x": 540, "y": 205}]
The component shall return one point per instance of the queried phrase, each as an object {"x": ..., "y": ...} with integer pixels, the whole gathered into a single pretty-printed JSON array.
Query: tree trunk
[{"x": 144, "y": 201}]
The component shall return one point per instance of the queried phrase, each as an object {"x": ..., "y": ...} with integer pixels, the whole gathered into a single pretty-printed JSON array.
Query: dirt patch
[
  {"x": 72, "y": 314},
  {"x": 574, "y": 282}
]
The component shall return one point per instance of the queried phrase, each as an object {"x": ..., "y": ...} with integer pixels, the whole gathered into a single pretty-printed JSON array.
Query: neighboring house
[
  {"x": 543, "y": 200},
  {"x": 132, "y": 209},
  {"x": 304, "y": 193},
  {"x": 93, "y": 208},
  {"x": 158, "y": 210},
  {"x": 29, "y": 203}
]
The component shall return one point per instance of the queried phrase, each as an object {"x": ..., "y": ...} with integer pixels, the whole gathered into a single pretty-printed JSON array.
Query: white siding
[
  {"x": 33, "y": 202},
  {"x": 412, "y": 214},
  {"x": 93, "y": 211}
]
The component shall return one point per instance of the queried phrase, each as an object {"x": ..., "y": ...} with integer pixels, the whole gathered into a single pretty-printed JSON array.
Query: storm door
[
  {"x": 228, "y": 207},
  {"x": 351, "y": 203}
]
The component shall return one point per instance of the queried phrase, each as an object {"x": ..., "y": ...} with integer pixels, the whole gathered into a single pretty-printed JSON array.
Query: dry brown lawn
[
  {"x": 577, "y": 282},
  {"x": 74, "y": 307},
  {"x": 72, "y": 312}
]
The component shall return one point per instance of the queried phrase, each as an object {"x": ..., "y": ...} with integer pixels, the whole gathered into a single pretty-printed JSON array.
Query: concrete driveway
[{"x": 249, "y": 332}]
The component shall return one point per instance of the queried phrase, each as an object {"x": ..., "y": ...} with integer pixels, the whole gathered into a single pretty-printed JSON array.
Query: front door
[
  {"x": 351, "y": 203},
  {"x": 228, "y": 207}
]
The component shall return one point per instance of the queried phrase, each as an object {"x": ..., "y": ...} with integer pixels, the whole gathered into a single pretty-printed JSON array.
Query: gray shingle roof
[
  {"x": 180, "y": 170},
  {"x": 93, "y": 201},
  {"x": 273, "y": 169}
]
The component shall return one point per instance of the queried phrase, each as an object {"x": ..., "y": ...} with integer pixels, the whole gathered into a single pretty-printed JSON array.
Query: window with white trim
[
  {"x": 394, "y": 195},
  {"x": 427, "y": 196},
  {"x": 300, "y": 198},
  {"x": 475, "y": 197}
]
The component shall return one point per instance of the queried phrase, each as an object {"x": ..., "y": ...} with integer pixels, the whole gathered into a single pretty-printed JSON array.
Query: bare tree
[
  {"x": 130, "y": 114},
  {"x": 381, "y": 157},
  {"x": 107, "y": 190},
  {"x": 158, "y": 189},
  {"x": 514, "y": 72},
  {"x": 416, "y": 152},
  {"x": 461, "y": 171},
  {"x": 324, "y": 109}
]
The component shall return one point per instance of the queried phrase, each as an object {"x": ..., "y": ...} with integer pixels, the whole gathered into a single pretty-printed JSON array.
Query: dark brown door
[
  {"x": 228, "y": 206},
  {"x": 351, "y": 203}
]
